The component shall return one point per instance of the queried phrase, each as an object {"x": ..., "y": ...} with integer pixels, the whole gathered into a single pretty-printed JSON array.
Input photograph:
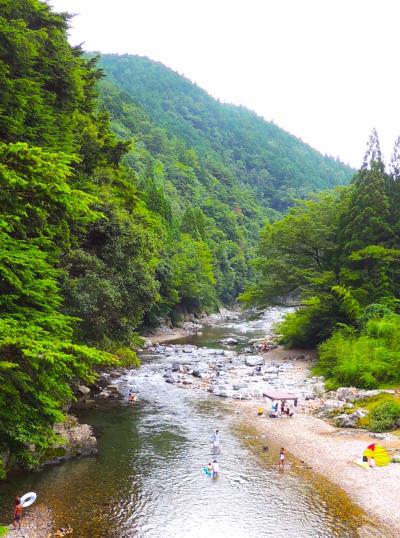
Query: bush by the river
[
  {"x": 368, "y": 359},
  {"x": 385, "y": 416}
]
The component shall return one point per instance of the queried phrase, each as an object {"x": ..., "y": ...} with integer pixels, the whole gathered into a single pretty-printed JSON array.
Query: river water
[{"x": 147, "y": 480}]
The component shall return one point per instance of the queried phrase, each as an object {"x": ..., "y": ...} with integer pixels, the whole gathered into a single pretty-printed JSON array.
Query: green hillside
[
  {"x": 234, "y": 144},
  {"x": 115, "y": 215}
]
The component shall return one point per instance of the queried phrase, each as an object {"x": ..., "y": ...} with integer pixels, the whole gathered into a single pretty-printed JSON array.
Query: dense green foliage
[
  {"x": 239, "y": 149},
  {"x": 368, "y": 358},
  {"x": 385, "y": 416},
  {"x": 190, "y": 201},
  {"x": 214, "y": 171},
  {"x": 118, "y": 207},
  {"x": 51, "y": 141},
  {"x": 339, "y": 254}
]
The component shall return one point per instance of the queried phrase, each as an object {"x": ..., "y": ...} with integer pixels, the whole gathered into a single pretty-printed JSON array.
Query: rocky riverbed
[
  {"x": 242, "y": 375},
  {"x": 184, "y": 389}
]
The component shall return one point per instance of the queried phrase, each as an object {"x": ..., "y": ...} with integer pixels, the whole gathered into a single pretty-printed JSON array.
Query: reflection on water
[{"x": 148, "y": 481}]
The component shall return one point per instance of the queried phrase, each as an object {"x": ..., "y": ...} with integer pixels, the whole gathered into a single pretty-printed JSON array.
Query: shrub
[
  {"x": 307, "y": 326},
  {"x": 367, "y": 360},
  {"x": 385, "y": 416}
]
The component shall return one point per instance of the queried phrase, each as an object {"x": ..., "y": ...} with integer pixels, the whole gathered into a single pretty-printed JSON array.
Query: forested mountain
[
  {"x": 234, "y": 145},
  {"x": 112, "y": 215},
  {"x": 340, "y": 253}
]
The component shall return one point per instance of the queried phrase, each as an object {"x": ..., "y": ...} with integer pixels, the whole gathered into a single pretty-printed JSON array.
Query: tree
[
  {"x": 300, "y": 251},
  {"x": 192, "y": 274},
  {"x": 367, "y": 220},
  {"x": 38, "y": 358}
]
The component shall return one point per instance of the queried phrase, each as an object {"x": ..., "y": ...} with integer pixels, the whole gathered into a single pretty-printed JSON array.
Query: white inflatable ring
[{"x": 28, "y": 499}]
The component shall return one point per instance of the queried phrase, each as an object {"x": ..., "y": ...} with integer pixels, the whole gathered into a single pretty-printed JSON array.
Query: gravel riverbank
[
  {"x": 331, "y": 452},
  {"x": 37, "y": 522}
]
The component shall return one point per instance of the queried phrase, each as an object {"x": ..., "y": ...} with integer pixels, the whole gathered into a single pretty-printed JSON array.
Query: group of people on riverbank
[{"x": 284, "y": 410}]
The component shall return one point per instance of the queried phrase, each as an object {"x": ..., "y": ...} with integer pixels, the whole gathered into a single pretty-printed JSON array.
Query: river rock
[
  {"x": 83, "y": 390},
  {"x": 254, "y": 360},
  {"x": 104, "y": 395},
  {"x": 319, "y": 388},
  {"x": 147, "y": 343},
  {"x": 256, "y": 341},
  {"x": 330, "y": 405},
  {"x": 362, "y": 394},
  {"x": 346, "y": 421},
  {"x": 270, "y": 377},
  {"x": 347, "y": 393},
  {"x": 74, "y": 439},
  {"x": 218, "y": 352},
  {"x": 113, "y": 389},
  {"x": 239, "y": 386},
  {"x": 229, "y": 341},
  {"x": 350, "y": 421}
]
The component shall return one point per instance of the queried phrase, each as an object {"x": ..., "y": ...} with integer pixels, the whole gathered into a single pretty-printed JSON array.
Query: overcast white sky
[{"x": 325, "y": 70}]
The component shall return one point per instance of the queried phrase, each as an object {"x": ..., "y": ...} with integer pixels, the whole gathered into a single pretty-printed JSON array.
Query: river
[{"x": 147, "y": 480}]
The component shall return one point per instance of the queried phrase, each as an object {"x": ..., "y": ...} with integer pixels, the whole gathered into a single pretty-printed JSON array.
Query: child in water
[
  {"x": 209, "y": 468},
  {"x": 215, "y": 468},
  {"x": 281, "y": 463}
]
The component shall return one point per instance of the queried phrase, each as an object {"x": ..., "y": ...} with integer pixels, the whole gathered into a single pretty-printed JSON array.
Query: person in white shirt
[
  {"x": 215, "y": 468},
  {"x": 215, "y": 438}
]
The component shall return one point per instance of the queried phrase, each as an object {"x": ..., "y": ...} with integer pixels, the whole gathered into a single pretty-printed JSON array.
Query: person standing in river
[
  {"x": 215, "y": 438},
  {"x": 215, "y": 468},
  {"x": 281, "y": 463}
]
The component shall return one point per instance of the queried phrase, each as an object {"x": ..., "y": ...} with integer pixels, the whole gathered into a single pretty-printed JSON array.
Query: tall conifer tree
[
  {"x": 367, "y": 221},
  {"x": 394, "y": 192}
]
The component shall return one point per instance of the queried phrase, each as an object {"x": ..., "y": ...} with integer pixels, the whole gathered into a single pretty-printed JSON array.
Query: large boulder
[
  {"x": 254, "y": 360},
  {"x": 272, "y": 370},
  {"x": 83, "y": 390},
  {"x": 147, "y": 343},
  {"x": 229, "y": 341},
  {"x": 347, "y": 393},
  {"x": 238, "y": 386},
  {"x": 74, "y": 439},
  {"x": 329, "y": 405},
  {"x": 318, "y": 388},
  {"x": 362, "y": 394},
  {"x": 346, "y": 421},
  {"x": 350, "y": 421}
]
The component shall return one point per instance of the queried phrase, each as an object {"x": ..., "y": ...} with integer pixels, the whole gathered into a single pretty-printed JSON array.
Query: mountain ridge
[{"x": 278, "y": 165}]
